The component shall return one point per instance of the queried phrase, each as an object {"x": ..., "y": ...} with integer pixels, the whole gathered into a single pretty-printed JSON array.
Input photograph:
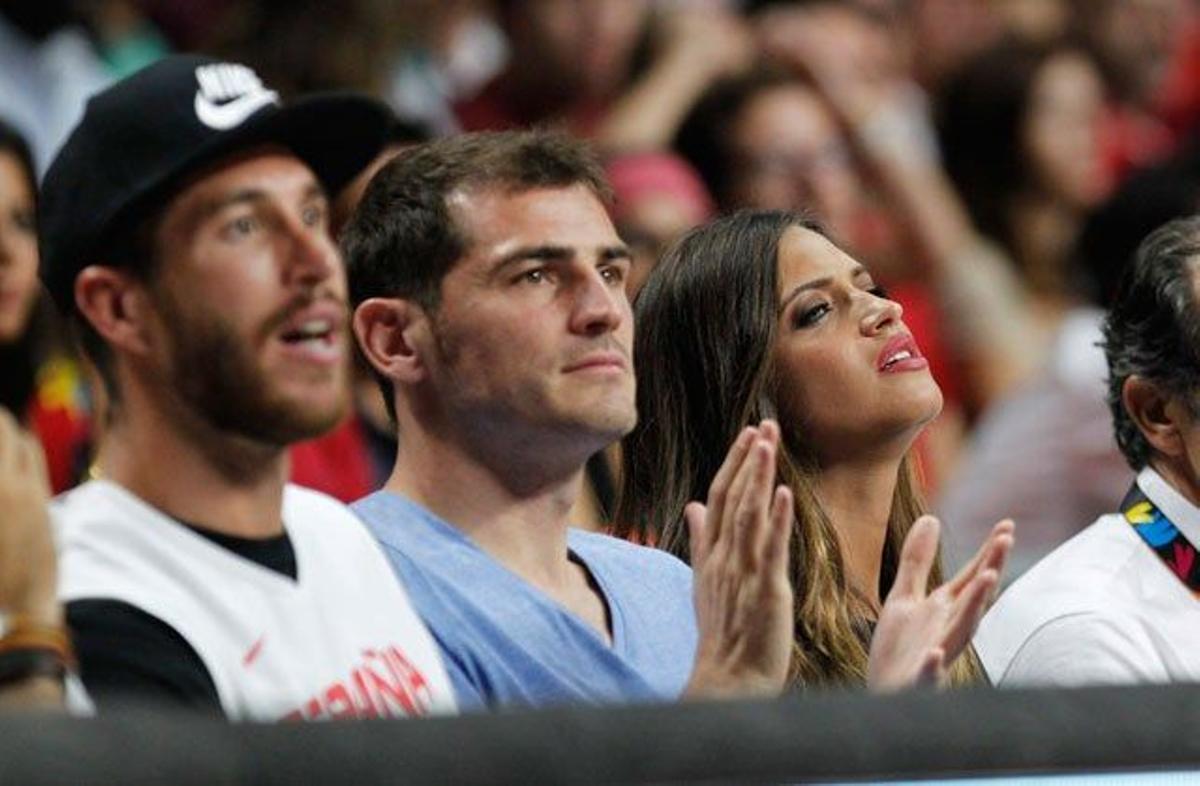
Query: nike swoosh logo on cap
[{"x": 223, "y": 117}]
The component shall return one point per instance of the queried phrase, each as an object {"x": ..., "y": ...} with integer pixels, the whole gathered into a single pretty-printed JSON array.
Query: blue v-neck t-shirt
[{"x": 506, "y": 642}]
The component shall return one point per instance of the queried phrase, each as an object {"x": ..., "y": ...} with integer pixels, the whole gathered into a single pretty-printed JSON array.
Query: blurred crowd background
[{"x": 994, "y": 162}]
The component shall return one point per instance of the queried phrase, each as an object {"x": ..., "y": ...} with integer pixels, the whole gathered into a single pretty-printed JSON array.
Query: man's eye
[
  {"x": 811, "y": 315},
  {"x": 613, "y": 274},
  {"x": 535, "y": 276},
  {"x": 313, "y": 216},
  {"x": 241, "y": 226}
]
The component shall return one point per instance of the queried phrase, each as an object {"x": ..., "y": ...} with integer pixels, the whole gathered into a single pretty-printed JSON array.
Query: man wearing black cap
[{"x": 184, "y": 232}]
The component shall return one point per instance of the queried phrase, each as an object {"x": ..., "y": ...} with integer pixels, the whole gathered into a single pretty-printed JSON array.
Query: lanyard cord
[{"x": 1163, "y": 537}]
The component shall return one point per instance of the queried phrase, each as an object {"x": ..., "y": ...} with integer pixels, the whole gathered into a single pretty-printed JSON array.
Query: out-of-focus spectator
[
  {"x": 48, "y": 68},
  {"x": 766, "y": 140},
  {"x": 568, "y": 61},
  {"x": 124, "y": 37},
  {"x": 453, "y": 48},
  {"x": 1046, "y": 455},
  {"x": 1143, "y": 48},
  {"x": 1034, "y": 20},
  {"x": 576, "y": 64},
  {"x": 39, "y": 383},
  {"x": 307, "y": 46},
  {"x": 1020, "y": 134},
  {"x": 656, "y": 198}
]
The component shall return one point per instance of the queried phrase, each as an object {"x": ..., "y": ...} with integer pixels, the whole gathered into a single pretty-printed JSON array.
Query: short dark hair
[
  {"x": 1153, "y": 327},
  {"x": 403, "y": 239}
]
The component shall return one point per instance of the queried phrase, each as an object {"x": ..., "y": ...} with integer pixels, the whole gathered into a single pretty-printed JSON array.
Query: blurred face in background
[
  {"x": 649, "y": 225},
  {"x": 789, "y": 154},
  {"x": 584, "y": 45},
  {"x": 656, "y": 198},
  {"x": 1061, "y": 130},
  {"x": 1137, "y": 37},
  {"x": 943, "y": 34},
  {"x": 18, "y": 248}
]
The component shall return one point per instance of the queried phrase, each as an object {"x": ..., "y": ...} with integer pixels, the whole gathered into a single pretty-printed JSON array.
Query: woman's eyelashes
[{"x": 809, "y": 314}]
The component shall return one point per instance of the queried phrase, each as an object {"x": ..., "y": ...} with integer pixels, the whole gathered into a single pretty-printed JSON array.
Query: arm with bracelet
[{"x": 35, "y": 652}]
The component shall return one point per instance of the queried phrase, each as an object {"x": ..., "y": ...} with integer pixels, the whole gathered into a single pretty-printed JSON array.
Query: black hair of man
[
  {"x": 404, "y": 239},
  {"x": 1153, "y": 327}
]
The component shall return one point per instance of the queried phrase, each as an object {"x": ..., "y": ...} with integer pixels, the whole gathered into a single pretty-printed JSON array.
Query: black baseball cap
[{"x": 141, "y": 137}]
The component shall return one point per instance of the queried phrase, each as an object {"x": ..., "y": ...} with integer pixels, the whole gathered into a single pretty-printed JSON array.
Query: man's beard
[{"x": 214, "y": 372}]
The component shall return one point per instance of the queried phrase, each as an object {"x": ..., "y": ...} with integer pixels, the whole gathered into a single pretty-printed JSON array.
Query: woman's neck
[{"x": 857, "y": 497}]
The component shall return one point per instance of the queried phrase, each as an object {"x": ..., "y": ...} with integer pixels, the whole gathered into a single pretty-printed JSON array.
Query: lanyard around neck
[{"x": 1163, "y": 537}]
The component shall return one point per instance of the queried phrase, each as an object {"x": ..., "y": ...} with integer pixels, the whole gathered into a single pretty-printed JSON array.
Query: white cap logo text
[{"x": 228, "y": 94}]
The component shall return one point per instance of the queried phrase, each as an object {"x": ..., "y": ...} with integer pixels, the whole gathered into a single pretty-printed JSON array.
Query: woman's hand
[
  {"x": 744, "y": 601},
  {"x": 920, "y": 633}
]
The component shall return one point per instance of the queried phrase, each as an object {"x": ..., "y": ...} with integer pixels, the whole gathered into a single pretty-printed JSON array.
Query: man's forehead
[{"x": 493, "y": 215}]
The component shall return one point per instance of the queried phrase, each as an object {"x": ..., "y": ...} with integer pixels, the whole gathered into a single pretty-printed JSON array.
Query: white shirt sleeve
[{"x": 1087, "y": 648}]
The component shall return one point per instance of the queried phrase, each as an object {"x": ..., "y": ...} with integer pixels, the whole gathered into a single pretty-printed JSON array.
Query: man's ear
[
  {"x": 116, "y": 304},
  {"x": 1160, "y": 416},
  {"x": 392, "y": 334}
]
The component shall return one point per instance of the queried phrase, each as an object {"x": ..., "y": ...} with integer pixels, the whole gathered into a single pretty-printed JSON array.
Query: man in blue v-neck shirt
[
  {"x": 489, "y": 287},
  {"x": 504, "y": 344}
]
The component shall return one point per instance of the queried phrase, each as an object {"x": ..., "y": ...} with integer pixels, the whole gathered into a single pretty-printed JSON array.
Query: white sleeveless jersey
[{"x": 342, "y": 640}]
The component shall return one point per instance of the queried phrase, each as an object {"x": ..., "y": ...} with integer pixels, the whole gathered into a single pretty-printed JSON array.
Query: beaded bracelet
[
  {"x": 20, "y": 665},
  {"x": 29, "y": 649}
]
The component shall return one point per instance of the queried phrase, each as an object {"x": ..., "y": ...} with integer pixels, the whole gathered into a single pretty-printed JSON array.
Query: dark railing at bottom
[{"x": 817, "y": 737}]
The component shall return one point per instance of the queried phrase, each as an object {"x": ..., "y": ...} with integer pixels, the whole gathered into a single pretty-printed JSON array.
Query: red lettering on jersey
[
  {"x": 412, "y": 675},
  {"x": 390, "y": 688},
  {"x": 252, "y": 653},
  {"x": 366, "y": 702},
  {"x": 385, "y": 684},
  {"x": 312, "y": 709},
  {"x": 338, "y": 703}
]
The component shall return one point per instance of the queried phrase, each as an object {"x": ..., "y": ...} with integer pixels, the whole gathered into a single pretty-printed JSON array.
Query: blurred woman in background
[
  {"x": 39, "y": 384},
  {"x": 1020, "y": 134}
]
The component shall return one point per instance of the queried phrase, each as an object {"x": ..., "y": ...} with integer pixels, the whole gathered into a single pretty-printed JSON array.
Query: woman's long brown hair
[{"x": 706, "y": 322}]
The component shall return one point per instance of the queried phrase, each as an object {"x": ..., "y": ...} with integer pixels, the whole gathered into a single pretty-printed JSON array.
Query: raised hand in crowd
[
  {"x": 739, "y": 558},
  {"x": 33, "y": 647},
  {"x": 921, "y": 631},
  {"x": 693, "y": 48}
]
